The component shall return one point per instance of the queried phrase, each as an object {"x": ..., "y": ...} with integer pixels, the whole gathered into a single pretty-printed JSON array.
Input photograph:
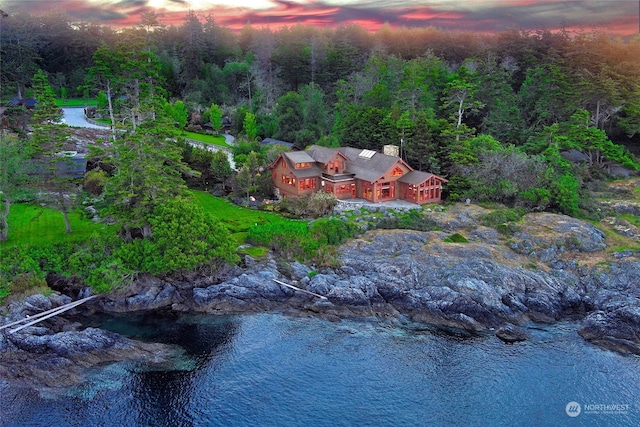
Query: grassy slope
[
  {"x": 35, "y": 225},
  {"x": 236, "y": 218}
]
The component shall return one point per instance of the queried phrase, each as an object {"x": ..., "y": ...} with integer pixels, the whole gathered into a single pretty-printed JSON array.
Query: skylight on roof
[{"x": 366, "y": 154}]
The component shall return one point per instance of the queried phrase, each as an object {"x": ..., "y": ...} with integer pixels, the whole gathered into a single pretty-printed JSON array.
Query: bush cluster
[
  {"x": 312, "y": 206},
  {"x": 504, "y": 220},
  {"x": 413, "y": 220},
  {"x": 301, "y": 241}
]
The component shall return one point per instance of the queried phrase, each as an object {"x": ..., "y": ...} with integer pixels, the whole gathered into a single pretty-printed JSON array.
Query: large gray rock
[
  {"x": 511, "y": 333},
  {"x": 618, "y": 330},
  {"x": 541, "y": 231}
]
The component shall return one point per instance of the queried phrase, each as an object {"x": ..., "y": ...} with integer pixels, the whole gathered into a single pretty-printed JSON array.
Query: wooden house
[{"x": 350, "y": 173}]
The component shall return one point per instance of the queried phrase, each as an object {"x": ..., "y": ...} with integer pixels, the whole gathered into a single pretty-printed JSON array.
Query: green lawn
[
  {"x": 236, "y": 218},
  {"x": 34, "y": 225},
  {"x": 75, "y": 102},
  {"x": 207, "y": 139}
]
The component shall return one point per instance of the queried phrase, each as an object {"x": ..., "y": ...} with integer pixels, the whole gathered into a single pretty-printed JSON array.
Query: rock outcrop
[
  {"x": 56, "y": 353},
  {"x": 485, "y": 284}
]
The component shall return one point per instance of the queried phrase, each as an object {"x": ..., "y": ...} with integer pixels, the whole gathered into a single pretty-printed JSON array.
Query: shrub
[
  {"x": 320, "y": 203},
  {"x": 94, "y": 181},
  {"x": 565, "y": 194},
  {"x": 414, "y": 220},
  {"x": 4, "y": 292},
  {"x": 20, "y": 271},
  {"x": 535, "y": 198},
  {"x": 503, "y": 220},
  {"x": 290, "y": 240},
  {"x": 333, "y": 231},
  {"x": 456, "y": 238},
  {"x": 312, "y": 206},
  {"x": 184, "y": 237}
]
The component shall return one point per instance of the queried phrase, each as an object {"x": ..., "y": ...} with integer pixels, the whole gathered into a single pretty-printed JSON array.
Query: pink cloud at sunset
[{"x": 615, "y": 16}]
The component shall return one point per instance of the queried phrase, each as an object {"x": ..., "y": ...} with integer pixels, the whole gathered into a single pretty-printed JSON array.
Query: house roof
[
  {"x": 25, "y": 102},
  {"x": 368, "y": 165},
  {"x": 415, "y": 177},
  {"x": 299, "y": 157},
  {"x": 324, "y": 154},
  {"x": 293, "y": 157}
]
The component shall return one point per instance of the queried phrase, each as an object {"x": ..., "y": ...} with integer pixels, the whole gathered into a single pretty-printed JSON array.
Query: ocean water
[{"x": 276, "y": 370}]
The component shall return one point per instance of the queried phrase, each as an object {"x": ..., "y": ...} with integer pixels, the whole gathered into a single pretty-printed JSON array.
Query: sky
[{"x": 614, "y": 16}]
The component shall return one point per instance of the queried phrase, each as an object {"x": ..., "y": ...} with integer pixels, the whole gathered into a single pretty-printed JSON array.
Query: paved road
[
  {"x": 74, "y": 117},
  {"x": 229, "y": 139}
]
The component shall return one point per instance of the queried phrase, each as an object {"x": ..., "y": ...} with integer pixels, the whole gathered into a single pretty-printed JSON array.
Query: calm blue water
[{"x": 273, "y": 370}]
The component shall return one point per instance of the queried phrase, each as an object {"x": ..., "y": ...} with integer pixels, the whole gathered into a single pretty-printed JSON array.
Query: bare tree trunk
[
  {"x": 147, "y": 233},
  {"x": 65, "y": 212},
  {"x": 249, "y": 89},
  {"x": 111, "y": 115},
  {"x": 4, "y": 222},
  {"x": 460, "y": 112}
]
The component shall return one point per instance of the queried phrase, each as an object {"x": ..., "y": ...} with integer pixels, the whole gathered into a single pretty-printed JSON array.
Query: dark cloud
[
  {"x": 127, "y": 4},
  {"x": 470, "y": 15}
]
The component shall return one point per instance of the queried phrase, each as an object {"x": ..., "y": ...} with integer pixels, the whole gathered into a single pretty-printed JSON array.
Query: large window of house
[
  {"x": 288, "y": 180},
  {"x": 386, "y": 190},
  {"x": 343, "y": 189},
  {"x": 308, "y": 184},
  {"x": 367, "y": 192}
]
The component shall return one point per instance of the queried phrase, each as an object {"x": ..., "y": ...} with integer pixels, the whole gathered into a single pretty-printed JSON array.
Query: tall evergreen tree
[{"x": 48, "y": 142}]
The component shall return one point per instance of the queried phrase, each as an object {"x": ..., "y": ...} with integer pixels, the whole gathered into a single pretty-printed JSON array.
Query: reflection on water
[{"x": 272, "y": 370}]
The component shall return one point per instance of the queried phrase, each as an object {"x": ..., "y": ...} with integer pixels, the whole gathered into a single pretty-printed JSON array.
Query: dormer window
[{"x": 304, "y": 165}]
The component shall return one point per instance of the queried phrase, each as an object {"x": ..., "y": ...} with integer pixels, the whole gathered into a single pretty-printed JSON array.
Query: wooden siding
[
  {"x": 430, "y": 191},
  {"x": 336, "y": 165},
  {"x": 284, "y": 179}
]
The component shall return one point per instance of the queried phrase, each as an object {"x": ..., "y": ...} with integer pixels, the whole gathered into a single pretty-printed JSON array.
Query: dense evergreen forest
[
  {"x": 460, "y": 104},
  {"x": 498, "y": 115}
]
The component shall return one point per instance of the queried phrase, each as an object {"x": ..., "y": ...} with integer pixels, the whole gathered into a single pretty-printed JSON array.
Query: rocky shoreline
[{"x": 552, "y": 268}]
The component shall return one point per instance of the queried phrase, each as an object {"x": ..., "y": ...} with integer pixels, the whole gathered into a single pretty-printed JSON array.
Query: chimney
[{"x": 391, "y": 150}]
